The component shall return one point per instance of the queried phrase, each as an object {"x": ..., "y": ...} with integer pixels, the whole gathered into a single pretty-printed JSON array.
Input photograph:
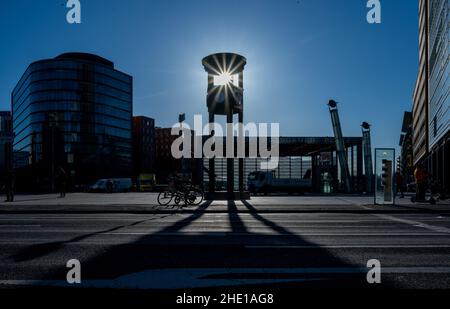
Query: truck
[
  {"x": 265, "y": 182},
  {"x": 145, "y": 182}
]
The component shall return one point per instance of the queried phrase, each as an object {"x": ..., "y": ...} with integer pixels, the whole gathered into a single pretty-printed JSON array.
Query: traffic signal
[{"x": 386, "y": 179}]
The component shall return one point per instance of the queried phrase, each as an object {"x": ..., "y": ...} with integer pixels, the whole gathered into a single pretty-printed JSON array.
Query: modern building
[
  {"x": 431, "y": 108},
  {"x": 166, "y": 164},
  {"x": 72, "y": 113},
  {"x": 439, "y": 91},
  {"x": 405, "y": 162},
  {"x": 302, "y": 155},
  {"x": 144, "y": 145},
  {"x": 420, "y": 105},
  {"x": 6, "y": 139}
]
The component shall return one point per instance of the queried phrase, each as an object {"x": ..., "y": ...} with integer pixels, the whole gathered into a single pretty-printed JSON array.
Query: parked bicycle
[{"x": 181, "y": 192}]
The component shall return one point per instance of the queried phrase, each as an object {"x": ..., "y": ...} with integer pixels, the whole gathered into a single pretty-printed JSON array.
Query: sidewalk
[{"x": 146, "y": 203}]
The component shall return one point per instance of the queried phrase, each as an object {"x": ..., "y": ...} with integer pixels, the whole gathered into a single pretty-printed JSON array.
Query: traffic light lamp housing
[
  {"x": 387, "y": 170},
  {"x": 387, "y": 179},
  {"x": 225, "y": 83}
]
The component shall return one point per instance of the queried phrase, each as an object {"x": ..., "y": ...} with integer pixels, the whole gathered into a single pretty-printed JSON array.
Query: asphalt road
[{"x": 231, "y": 249}]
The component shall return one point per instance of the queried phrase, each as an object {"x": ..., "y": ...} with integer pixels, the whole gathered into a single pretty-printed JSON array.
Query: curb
[{"x": 222, "y": 211}]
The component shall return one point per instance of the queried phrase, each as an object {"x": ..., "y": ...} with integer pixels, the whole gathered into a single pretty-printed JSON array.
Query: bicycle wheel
[
  {"x": 164, "y": 198},
  {"x": 178, "y": 199},
  {"x": 195, "y": 196}
]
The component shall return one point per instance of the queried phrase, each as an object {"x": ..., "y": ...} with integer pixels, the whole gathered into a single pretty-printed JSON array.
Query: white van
[{"x": 112, "y": 185}]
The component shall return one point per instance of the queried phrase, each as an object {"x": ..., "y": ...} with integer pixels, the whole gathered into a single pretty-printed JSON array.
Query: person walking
[
  {"x": 421, "y": 178},
  {"x": 62, "y": 182},
  {"x": 399, "y": 184},
  {"x": 9, "y": 184}
]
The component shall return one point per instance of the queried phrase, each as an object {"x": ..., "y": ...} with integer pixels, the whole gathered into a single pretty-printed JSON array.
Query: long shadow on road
[
  {"x": 41, "y": 250},
  {"x": 236, "y": 249}
]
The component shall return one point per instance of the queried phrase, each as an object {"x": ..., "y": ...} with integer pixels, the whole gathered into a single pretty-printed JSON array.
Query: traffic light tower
[
  {"x": 367, "y": 149},
  {"x": 226, "y": 97},
  {"x": 340, "y": 145}
]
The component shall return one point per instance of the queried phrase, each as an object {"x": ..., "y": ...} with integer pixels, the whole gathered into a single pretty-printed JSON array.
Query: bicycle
[{"x": 190, "y": 195}]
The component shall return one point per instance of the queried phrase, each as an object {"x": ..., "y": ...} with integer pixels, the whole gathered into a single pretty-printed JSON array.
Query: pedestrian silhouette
[
  {"x": 399, "y": 184},
  {"x": 62, "y": 182},
  {"x": 9, "y": 184},
  {"x": 421, "y": 177}
]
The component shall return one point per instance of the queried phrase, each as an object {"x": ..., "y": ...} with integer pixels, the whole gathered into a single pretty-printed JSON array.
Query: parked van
[
  {"x": 112, "y": 185},
  {"x": 266, "y": 182}
]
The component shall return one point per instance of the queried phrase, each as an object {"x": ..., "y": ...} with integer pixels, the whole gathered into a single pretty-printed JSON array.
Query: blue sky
[{"x": 300, "y": 54}]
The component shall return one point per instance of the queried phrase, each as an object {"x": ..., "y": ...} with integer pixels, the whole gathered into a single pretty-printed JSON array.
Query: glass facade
[
  {"x": 439, "y": 93},
  {"x": 72, "y": 112},
  {"x": 439, "y": 63},
  {"x": 5, "y": 143}
]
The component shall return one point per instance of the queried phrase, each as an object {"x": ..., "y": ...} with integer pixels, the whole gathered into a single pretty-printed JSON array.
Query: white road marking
[
  {"x": 347, "y": 246},
  {"x": 434, "y": 228},
  {"x": 19, "y": 225},
  {"x": 197, "y": 278},
  {"x": 414, "y": 223},
  {"x": 223, "y": 233}
]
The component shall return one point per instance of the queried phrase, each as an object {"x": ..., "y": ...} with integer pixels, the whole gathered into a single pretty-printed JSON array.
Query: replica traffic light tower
[{"x": 225, "y": 97}]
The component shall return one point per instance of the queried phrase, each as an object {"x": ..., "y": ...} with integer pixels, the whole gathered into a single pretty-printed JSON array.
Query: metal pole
[
  {"x": 230, "y": 161},
  {"x": 367, "y": 147},
  {"x": 241, "y": 160},
  {"x": 212, "y": 170},
  {"x": 53, "y": 150},
  {"x": 340, "y": 146}
]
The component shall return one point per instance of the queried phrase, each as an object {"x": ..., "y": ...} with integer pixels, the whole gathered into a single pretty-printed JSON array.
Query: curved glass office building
[{"x": 72, "y": 113}]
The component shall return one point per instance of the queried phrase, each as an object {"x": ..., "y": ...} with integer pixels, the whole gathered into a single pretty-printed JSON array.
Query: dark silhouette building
[
  {"x": 6, "y": 138},
  {"x": 72, "y": 112},
  {"x": 144, "y": 145},
  {"x": 166, "y": 164}
]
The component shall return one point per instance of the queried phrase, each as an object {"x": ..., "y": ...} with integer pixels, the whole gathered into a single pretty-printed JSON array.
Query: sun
[{"x": 225, "y": 79}]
